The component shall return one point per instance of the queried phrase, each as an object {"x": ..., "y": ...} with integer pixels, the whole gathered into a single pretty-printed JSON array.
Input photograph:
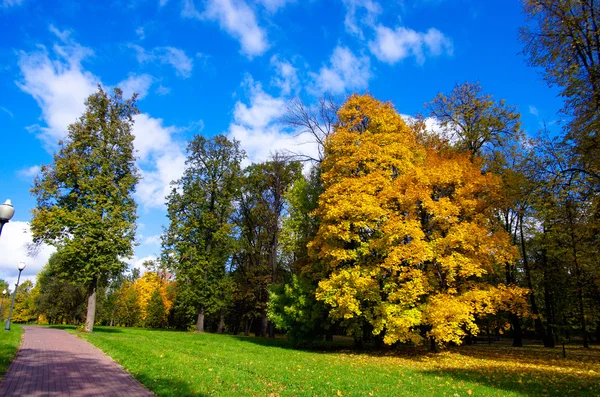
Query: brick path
[{"x": 52, "y": 362}]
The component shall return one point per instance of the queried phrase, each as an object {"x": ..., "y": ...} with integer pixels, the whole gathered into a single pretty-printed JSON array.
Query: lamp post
[
  {"x": 6, "y": 213},
  {"x": 12, "y": 305}
]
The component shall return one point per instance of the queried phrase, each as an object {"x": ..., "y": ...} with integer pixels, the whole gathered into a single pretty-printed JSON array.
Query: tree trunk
[
  {"x": 271, "y": 330},
  {"x": 549, "y": 340},
  {"x": 200, "y": 322},
  {"x": 515, "y": 321},
  {"x": 264, "y": 323},
  {"x": 539, "y": 327},
  {"x": 329, "y": 335},
  {"x": 221, "y": 326},
  {"x": 248, "y": 324},
  {"x": 91, "y": 306},
  {"x": 518, "y": 333}
]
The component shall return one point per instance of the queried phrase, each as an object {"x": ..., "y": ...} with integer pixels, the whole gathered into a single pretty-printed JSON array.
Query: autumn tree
[
  {"x": 127, "y": 306},
  {"x": 406, "y": 233},
  {"x": 562, "y": 38},
  {"x": 25, "y": 309},
  {"x": 198, "y": 242},
  {"x": 85, "y": 203},
  {"x": 472, "y": 121}
]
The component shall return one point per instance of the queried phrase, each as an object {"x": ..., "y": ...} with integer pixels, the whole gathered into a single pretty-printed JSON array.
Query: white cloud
[
  {"x": 274, "y": 5},
  {"x": 61, "y": 87},
  {"x": 58, "y": 83},
  {"x": 163, "y": 2},
  {"x": 286, "y": 76},
  {"x": 162, "y": 90},
  {"x": 11, "y": 3},
  {"x": 533, "y": 110},
  {"x": 140, "y": 33},
  {"x": 256, "y": 125},
  {"x": 139, "y": 84},
  {"x": 237, "y": 19},
  {"x": 152, "y": 240},
  {"x": 29, "y": 172},
  {"x": 138, "y": 263},
  {"x": 161, "y": 159},
  {"x": 392, "y": 46},
  {"x": 172, "y": 56},
  {"x": 5, "y": 110},
  {"x": 360, "y": 13},
  {"x": 16, "y": 236},
  {"x": 346, "y": 72}
]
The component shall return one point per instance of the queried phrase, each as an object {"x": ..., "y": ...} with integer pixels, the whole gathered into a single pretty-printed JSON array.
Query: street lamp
[
  {"x": 6, "y": 213},
  {"x": 12, "y": 305}
]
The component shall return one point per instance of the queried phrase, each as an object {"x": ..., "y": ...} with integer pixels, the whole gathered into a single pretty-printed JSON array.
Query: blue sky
[{"x": 229, "y": 66}]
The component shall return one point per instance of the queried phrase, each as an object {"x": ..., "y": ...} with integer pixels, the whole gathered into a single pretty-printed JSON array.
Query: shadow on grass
[
  {"x": 167, "y": 387},
  {"x": 529, "y": 382},
  {"x": 340, "y": 344}
]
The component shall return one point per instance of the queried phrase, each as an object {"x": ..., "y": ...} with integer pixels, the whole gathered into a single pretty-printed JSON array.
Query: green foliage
[
  {"x": 294, "y": 309},
  {"x": 156, "y": 316},
  {"x": 472, "y": 121},
  {"x": 85, "y": 203},
  {"x": 198, "y": 243},
  {"x": 59, "y": 300},
  {"x": 261, "y": 205}
]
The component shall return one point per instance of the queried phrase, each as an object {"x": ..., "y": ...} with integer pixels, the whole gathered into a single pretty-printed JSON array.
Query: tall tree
[
  {"x": 406, "y": 233},
  {"x": 261, "y": 205},
  {"x": 472, "y": 121},
  {"x": 85, "y": 203},
  {"x": 563, "y": 38},
  {"x": 198, "y": 241}
]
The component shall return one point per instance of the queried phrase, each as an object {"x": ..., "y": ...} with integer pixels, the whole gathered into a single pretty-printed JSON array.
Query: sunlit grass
[
  {"x": 181, "y": 364},
  {"x": 9, "y": 344}
]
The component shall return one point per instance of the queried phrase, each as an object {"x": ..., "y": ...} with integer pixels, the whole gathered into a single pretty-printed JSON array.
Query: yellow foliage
[
  {"x": 406, "y": 234},
  {"x": 145, "y": 287}
]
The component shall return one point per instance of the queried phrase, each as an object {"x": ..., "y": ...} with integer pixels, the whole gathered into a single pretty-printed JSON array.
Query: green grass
[
  {"x": 9, "y": 344},
  {"x": 189, "y": 364}
]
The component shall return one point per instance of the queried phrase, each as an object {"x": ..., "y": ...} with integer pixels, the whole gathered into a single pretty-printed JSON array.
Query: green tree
[
  {"x": 261, "y": 205},
  {"x": 59, "y": 299},
  {"x": 198, "y": 243},
  {"x": 85, "y": 203},
  {"x": 472, "y": 121},
  {"x": 156, "y": 311}
]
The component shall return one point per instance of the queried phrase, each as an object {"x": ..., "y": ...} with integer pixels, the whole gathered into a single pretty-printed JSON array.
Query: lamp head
[
  {"x": 21, "y": 265},
  {"x": 6, "y": 211}
]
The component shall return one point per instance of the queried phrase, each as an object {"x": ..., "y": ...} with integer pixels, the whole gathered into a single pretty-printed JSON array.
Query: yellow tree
[
  {"x": 406, "y": 232},
  {"x": 145, "y": 287}
]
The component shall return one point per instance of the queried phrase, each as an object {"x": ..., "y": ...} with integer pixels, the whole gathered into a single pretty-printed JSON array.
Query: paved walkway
[{"x": 52, "y": 362}]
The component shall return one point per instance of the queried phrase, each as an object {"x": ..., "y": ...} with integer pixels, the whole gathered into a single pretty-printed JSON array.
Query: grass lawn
[
  {"x": 9, "y": 343},
  {"x": 189, "y": 364}
]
